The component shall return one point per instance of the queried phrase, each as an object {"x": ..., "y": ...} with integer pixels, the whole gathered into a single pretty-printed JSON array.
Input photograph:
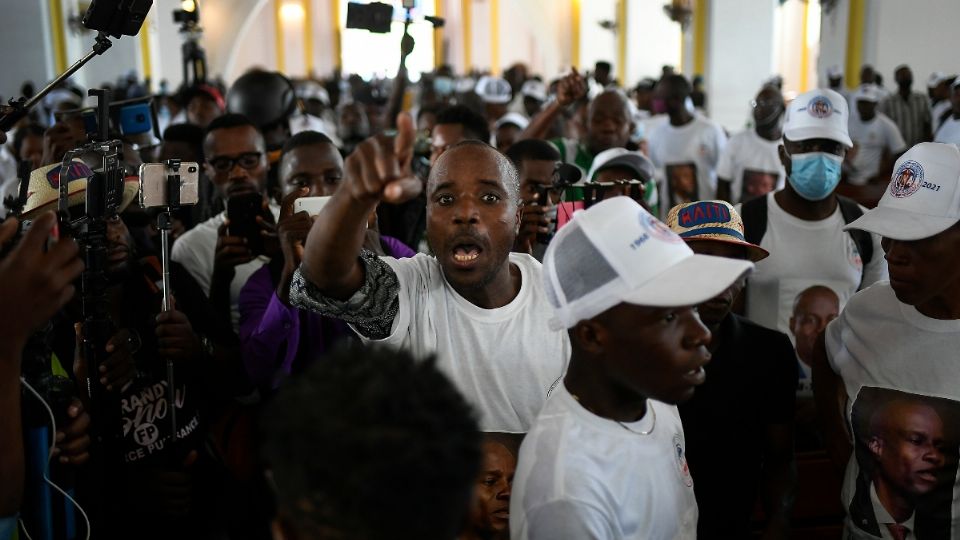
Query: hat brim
[
  {"x": 755, "y": 253},
  {"x": 817, "y": 132},
  {"x": 692, "y": 281},
  {"x": 131, "y": 186},
  {"x": 901, "y": 225}
]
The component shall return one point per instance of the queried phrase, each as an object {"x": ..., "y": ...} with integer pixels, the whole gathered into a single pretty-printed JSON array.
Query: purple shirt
[{"x": 270, "y": 335}]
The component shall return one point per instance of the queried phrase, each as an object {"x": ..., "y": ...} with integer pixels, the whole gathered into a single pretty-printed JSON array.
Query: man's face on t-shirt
[
  {"x": 815, "y": 308},
  {"x": 490, "y": 514},
  {"x": 908, "y": 447}
]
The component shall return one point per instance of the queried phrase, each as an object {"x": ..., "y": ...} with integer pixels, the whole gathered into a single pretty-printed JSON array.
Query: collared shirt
[
  {"x": 884, "y": 518},
  {"x": 912, "y": 116}
]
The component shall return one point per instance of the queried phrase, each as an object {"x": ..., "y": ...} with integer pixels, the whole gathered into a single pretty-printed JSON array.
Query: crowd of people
[{"x": 528, "y": 309}]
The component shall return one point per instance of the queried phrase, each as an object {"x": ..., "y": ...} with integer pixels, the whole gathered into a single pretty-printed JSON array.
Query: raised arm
[
  {"x": 570, "y": 89},
  {"x": 378, "y": 170}
]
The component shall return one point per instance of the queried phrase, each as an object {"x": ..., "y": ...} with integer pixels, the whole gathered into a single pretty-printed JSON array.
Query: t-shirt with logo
[
  {"x": 803, "y": 254},
  {"x": 899, "y": 370},
  {"x": 686, "y": 158},
  {"x": 580, "y": 476},
  {"x": 872, "y": 138},
  {"x": 752, "y": 165},
  {"x": 949, "y": 132}
]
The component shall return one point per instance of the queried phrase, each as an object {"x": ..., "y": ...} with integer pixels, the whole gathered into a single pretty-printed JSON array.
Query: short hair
[
  {"x": 536, "y": 149},
  {"x": 811, "y": 290},
  {"x": 21, "y": 135},
  {"x": 506, "y": 167},
  {"x": 427, "y": 110},
  {"x": 677, "y": 82},
  {"x": 232, "y": 120},
  {"x": 368, "y": 439},
  {"x": 304, "y": 138},
  {"x": 188, "y": 134},
  {"x": 474, "y": 125},
  {"x": 602, "y": 64}
]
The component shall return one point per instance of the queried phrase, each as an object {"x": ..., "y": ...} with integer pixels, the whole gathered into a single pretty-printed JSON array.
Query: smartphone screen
[{"x": 242, "y": 211}]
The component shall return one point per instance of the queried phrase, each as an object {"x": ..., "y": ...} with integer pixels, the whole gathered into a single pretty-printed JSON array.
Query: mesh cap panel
[{"x": 581, "y": 269}]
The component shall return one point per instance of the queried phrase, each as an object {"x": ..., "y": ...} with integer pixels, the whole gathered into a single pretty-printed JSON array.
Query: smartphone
[
  {"x": 242, "y": 211},
  {"x": 153, "y": 184},
  {"x": 310, "y": 205}
]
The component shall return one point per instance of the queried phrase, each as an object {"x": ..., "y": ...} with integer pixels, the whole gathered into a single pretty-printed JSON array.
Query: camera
[
  {"x": 117, "y": 17},
  {"x": 374, "y": 17},
  {"x": 564, "y": 176}
]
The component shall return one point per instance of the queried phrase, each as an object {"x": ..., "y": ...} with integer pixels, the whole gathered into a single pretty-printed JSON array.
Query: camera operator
[
  {"x": 150, "y": 477},
  {"x": 34, "y": 284}
]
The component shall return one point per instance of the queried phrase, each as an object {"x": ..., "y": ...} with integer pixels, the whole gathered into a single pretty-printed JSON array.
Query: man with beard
[
  {"x": 481, "y": 309},
  {"x": 607, "y": 456},
  {"x": 752, "y": 153},
  {"x": 751, "y": 382},
  {"x": 900, "y": 334}
]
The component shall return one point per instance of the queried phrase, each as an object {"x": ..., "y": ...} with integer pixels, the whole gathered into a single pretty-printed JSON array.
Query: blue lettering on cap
[{"x": 703, "y": 212}]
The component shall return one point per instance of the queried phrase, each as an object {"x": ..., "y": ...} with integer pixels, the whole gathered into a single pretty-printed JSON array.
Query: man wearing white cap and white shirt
[
  {"x": 876, "y": 139},
  {"x": 606, "y": 456},
  {"x": 749, "y": 165},
  {"x": 938, "y": 88},
  {"x": 802, "y": 224},
  {"x": 949, "y": 131},
  {"x": 835, "y": 81},
  {"x": 507, "y": 129},
  {"x": 890, "y": 360},
  {"x": 533, "y": 95}
]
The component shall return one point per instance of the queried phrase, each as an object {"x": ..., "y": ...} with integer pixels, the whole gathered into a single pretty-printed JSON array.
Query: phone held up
[{"x": 242, "y": 211}]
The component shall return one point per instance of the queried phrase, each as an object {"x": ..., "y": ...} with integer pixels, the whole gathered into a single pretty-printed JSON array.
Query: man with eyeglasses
[
  {"x": 219, "y": 262},
  {"x": 802, "y": 224},
  {"x": 751, "y": 156}
]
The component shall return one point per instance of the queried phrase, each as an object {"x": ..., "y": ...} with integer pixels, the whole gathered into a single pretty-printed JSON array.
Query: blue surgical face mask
[
  {"x": 443, "y": 86},
  {"x": 814, "y": 175}
]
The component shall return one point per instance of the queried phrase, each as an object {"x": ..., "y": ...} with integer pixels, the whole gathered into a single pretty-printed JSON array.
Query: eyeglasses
[{"x": 247, "y": 160}]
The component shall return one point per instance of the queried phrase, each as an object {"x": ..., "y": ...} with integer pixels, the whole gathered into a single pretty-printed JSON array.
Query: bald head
[
  {"x": 609, "y": 123},
  {"x": 817, "y": 299},
  {"x": 476, "y": 151}
]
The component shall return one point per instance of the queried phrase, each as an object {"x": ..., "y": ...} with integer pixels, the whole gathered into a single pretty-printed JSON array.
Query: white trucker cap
[
  {"x": 923, "y": 198},
  {"x": 818, "y": 114},
  {"x": 617, "y": 252}
]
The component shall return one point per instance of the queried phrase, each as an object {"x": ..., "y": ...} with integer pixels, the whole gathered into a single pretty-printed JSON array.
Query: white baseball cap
[
  {"x": 617, "y": 252},
  {"x": 867, "y": 92},
  {"x": 621, "y": 157},
  {"x": 936, "y": 78},
  {"x": 818, "y": 114},
  {"x": 923, "y": 198},
  {"x": 834, "y": 72},
  {"x": 512, "y": 118},
  {"x": 494, "y": 90},
  {"x": 534, "y": 89}
]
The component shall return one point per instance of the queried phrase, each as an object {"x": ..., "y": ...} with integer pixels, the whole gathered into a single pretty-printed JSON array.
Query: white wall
[
  {"x": 597, "y": 43},
  {"x": 30, "y": 56},
  {"x": 741, "y": 57},
  {"x": 653, "y": 40},
  {"x": 920, "y": 33},
  {"x": 833, "y": 41}
]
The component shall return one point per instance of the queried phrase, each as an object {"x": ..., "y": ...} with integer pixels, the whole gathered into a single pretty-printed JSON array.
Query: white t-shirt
[
  {"x": 503, "y": 360},
  {"x": 583, "y": 477},
  {"x": 803, "y": 254},
  {"x": 937, "y": 110},
  {"x": 195, "y": 251},
  {"x": 871, "y": 139},
  {"x": 686, "y": 159},
  {"x": 887, "y": 352},
  {"x": 949, "y": 132},
  {"x": 749, "y": 162}
]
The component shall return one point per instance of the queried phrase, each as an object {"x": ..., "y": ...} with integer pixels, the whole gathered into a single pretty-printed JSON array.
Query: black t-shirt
[{"x": 751, "y": 383}]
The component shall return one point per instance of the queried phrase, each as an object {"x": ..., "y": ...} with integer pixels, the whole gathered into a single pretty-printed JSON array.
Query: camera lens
[{"x": 191, "y": 169}]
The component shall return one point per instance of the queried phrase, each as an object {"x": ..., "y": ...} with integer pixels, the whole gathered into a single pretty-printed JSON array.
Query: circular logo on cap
[
  {"x": 820, "y": 107},
  {"x": 907, "y": 179},
  {"x": 658, "y": 229}
]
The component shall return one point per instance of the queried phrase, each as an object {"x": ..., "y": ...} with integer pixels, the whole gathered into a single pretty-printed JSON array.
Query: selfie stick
[
  {"x": 164, "y": 224},
  {"x": 13, "y": 112}
]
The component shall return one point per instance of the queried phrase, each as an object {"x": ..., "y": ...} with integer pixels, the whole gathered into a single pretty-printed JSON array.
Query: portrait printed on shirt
[
  {"x": 682, "y": 183},
  {"x": 906, "y": 447},
  {"x": 757, "y": 184}
]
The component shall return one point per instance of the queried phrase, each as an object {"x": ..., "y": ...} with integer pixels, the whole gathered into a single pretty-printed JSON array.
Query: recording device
[
  {"x": 117, "y": 17},
  {"x": 155, "y": 189},
  {"x": 373, "y": 17},
  {"x": 170, "y": 185},
  {"x": 134, "y": 119},
  {"x": 564, "y": 175},
  {"x": 242, "y": 211},
  {"x": 311, "y": 205}
]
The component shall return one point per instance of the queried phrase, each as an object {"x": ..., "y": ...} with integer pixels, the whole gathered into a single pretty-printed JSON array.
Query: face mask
[
  {"x": 443, "y": 85},
  {"x": 814, "y": 175}
]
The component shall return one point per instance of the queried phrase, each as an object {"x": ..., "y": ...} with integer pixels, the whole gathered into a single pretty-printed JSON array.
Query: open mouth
[{"x": 466, "y": 253}]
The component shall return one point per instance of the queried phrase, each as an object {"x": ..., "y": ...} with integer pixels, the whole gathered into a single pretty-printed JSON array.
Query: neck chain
[{"x": 650, "y": 408}]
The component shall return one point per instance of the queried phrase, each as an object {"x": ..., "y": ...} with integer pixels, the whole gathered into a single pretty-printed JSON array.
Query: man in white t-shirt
[
  {"x": 607, "y": 456},
  {"x": 686, "y": 149},
  {"x": 949, "y": 131},
  {"x": 938, "y": 89},
  {"x": 749, "y": 166},
  {"x": 887, "y": 368},
  {"x": 479, "y": 308},
  {"x": 802, "y": 224},
  {"x": 876, "y": 139},
  {"x": 221, "y": 262}
]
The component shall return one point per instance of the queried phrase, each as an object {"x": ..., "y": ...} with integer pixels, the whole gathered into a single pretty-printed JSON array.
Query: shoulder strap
[
  {"x": 754, "y": 214},
  {"x": 850, "y": 211}
]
